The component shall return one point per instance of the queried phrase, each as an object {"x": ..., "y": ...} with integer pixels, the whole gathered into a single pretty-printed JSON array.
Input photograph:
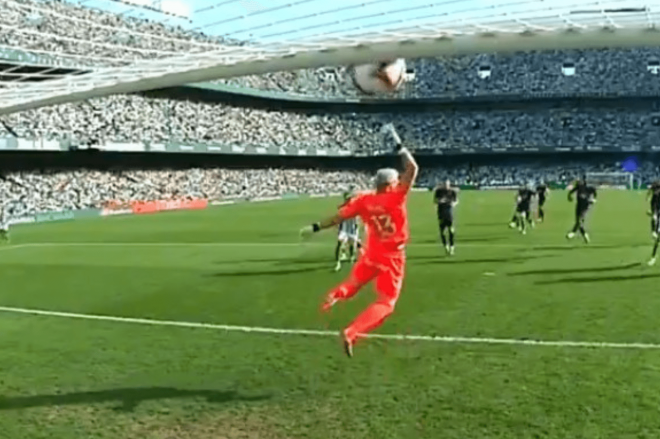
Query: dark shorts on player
[
  {"x": 523, "y": 208},
  {"x": 581, "y": 212},
  {"x": 541, "y": 201},
  {"x": 655, "y": 207},
  {"x": 446, "y": 223},
  {"x": 445, "y": 219}
]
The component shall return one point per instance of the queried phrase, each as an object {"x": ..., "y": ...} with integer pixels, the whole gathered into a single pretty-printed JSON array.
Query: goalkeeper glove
[{"x": 308, "y": 231}]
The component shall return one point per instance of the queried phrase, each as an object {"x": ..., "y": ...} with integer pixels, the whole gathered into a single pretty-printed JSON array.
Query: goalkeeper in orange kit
[{"x": 384, "y": 214}]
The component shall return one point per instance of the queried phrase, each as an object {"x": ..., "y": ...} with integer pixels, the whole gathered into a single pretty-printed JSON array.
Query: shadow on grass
[
  {"x": 128, "y": 399},
  {"x": 594, "y": 279},
  {"x": 574, "y": 270},
  {"x": 467, "y": 240},
  {"x": 477, "y": 239},
  {"x": 580, "y": 246},
  {"x": 441, "y": 259},
  {"x": 280, "y": 261},
  {"x": 280, "y": 272},
  {"x": 487, "y": 224}
]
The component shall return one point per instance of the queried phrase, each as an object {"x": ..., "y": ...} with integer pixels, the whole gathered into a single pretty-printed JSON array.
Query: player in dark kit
[
  {"x": 523, "y": 208},
  {"x": 654, "y": 211},
  {"x": 514, "y": 219},
  {"x": 542, "y": 192},
  {"x": 654, "y": 195},
  {"x": 446, "y": 198},
  {"x": 586, "y": 197},
  {"x": 655, "y": 249}
]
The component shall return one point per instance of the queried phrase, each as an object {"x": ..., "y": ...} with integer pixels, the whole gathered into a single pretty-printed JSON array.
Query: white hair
[{"x": 386, "y": 176}]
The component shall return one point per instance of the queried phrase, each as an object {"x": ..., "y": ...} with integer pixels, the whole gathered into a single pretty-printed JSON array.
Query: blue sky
[{"x": 263, "y": 20}]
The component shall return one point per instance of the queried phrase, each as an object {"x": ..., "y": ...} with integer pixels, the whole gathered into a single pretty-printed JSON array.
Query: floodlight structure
[{"x": 443, "y": 28}]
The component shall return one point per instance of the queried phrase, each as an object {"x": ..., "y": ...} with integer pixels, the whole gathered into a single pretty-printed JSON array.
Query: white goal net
[
  {"x": 281, "y": 35},
  {"x": 613, "y": 180}
]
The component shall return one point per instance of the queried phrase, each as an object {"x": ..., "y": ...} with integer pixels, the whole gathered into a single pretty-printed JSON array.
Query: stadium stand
[
  {"x": 87, "y": 38},
  {"x": 26, "y": 193},
  {"x": 139, "y": 119},
  {"x": 551, "y": 73},
  {"x": 94, "y": 38},
  {"x": 64, "y": 28}
]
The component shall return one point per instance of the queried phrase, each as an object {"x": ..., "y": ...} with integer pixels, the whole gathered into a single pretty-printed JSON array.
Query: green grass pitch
[{"x": 69, "y": 378}]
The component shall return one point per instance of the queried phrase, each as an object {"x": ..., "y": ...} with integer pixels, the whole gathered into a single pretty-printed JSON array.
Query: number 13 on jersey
[{"x": 384, "y": 225}]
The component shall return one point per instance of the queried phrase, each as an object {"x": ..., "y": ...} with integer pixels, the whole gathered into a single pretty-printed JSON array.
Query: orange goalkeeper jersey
[{"x": 385, "y": 218}]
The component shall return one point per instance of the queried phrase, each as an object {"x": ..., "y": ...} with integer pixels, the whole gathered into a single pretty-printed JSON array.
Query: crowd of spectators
[
  {"x": 24, "y": 193},
  {"x": 96, "y": 37},
  {"x": 92, "y": 36},
  {"x": 548, "y": 73},
  {"x": 63, "y": 28},
  {"x": 131, "y": 118},
  {"x": 517, "y": 174},
  {"x": 137, "y": 119}
]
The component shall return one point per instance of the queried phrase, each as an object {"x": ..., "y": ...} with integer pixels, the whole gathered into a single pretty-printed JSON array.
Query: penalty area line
[
  {"x": 8, "y": 247},
  {"x": 314, "y": 332}
]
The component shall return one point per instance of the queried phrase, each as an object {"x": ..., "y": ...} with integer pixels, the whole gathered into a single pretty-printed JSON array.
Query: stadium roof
[
  {"x": 280, "y": 20},
  {"x": 285, "y": 35}
]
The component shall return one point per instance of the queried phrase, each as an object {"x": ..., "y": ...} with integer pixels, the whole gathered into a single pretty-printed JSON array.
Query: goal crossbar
[{"x": 540, "y": 33}]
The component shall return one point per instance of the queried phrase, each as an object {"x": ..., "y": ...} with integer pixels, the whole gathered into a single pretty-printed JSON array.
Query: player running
[
  {"x": 349, "y": 236},
  {"x": 523, "y": 214},
  {"x": 654, "y": 254},
  {"x": 654, "y": 195},
  {"x": 446, "y": 199},
  {"x": 514, "y": 223},
  {"x": 542, "y": 193},
  {"x": 384, "y": 214},
  {"x": 586, "y": 197}
]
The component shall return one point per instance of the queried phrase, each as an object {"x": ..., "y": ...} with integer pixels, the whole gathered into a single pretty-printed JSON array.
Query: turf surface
[{"x": 241, "y": 265}]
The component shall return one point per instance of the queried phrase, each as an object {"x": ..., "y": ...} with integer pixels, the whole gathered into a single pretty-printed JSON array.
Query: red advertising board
[{"x": 142, "y": 207}]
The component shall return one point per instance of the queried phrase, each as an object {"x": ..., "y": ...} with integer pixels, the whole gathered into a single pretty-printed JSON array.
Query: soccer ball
[{"x": 383, "y": 77}]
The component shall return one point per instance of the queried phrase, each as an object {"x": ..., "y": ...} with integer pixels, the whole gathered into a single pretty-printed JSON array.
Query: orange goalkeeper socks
[{"x": 371, "y": 318}]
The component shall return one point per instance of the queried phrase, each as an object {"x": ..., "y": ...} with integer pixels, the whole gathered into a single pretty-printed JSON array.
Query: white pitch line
[
  {"x": 315, "y": 332},
  {"x": 13, "y": 247}
]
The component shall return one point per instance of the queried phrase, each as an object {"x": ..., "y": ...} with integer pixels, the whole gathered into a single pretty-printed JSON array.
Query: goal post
[
  {"x": 335, "y": 38},
  {"x": 612, "y": 180}
]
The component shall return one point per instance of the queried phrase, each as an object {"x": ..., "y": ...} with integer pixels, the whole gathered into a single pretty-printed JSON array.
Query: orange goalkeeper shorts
[{"x": 387, "y": 271}]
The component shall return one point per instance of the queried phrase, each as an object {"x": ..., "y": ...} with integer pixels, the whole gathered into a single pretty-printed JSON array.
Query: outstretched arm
[
  {"x": 410, "y": 168},
  {"x": 326, "y": 223},
  {"x": 571, "y": 192},
  {"x": 348, "y": 210}
]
